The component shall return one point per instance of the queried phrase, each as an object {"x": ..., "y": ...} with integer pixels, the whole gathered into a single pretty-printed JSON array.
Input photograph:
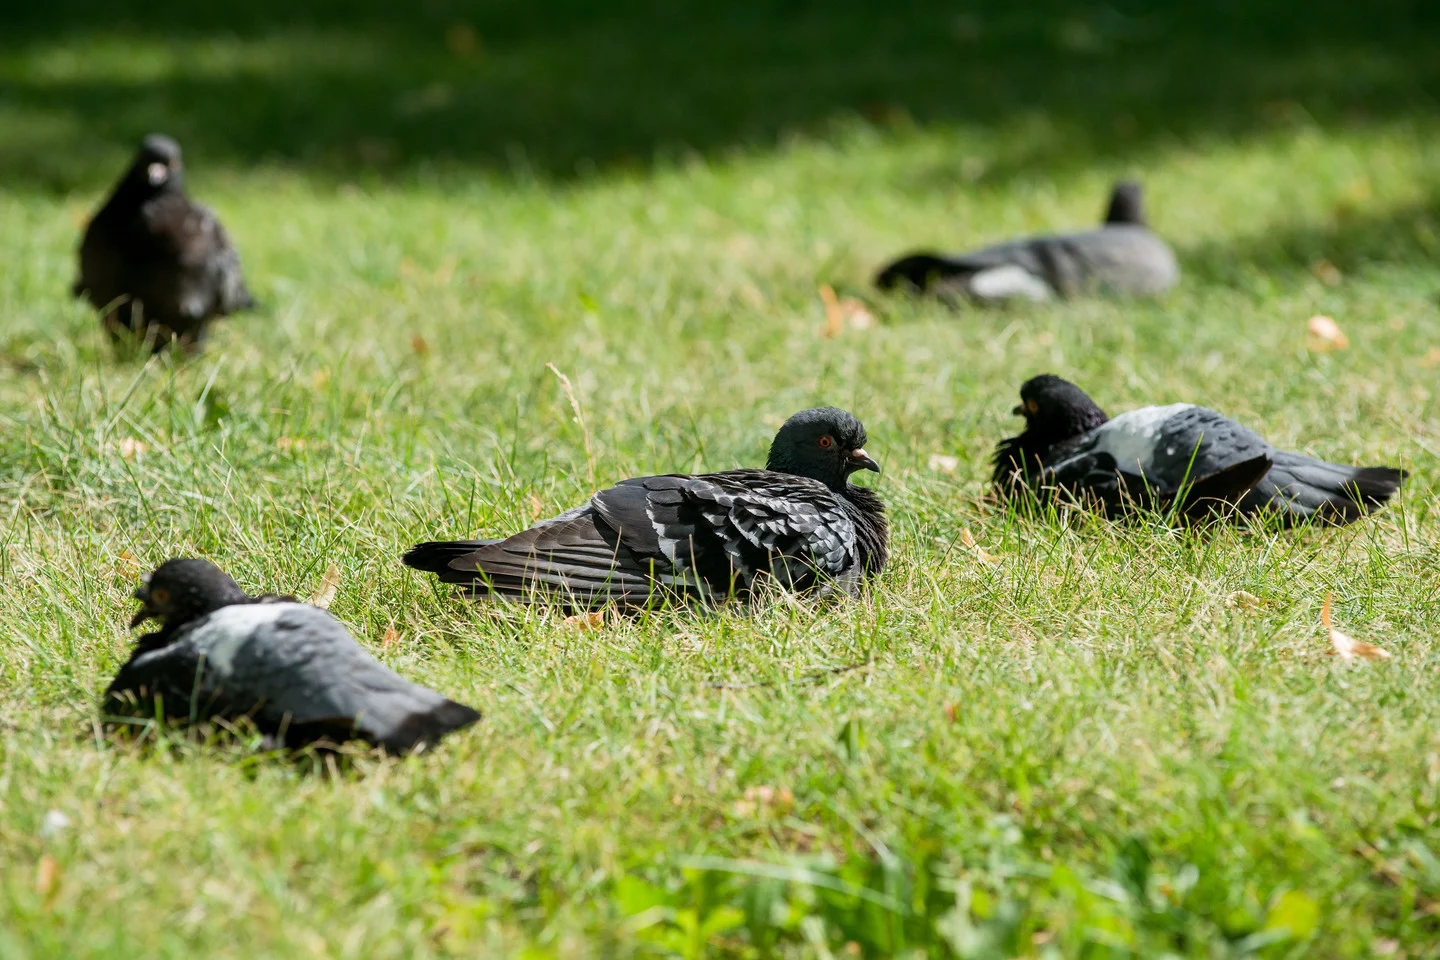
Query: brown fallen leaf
[
  {"x": 1347, "y": 647},
  {"x": 981, "y": 554},
  {"x": 1324, "y": 334},
  {"x": 47, "y": 875},
  {"x": 765, "y": 798},
  {"x": 462, "y": 40},
  {"x": 536, "y": 507},
  {"x": 127, "y": 559},
  {"x": 1326, "y": 272},
  {"x": 593, "y": 620},
  {"x": 130, "y": 448},
  {"x": 391, "y": 637},
  {"x": 1243, "y": 600},
  {"x": 943, "y": 463},
  {"x": 418, "y": 344},
  {"x": 843, "y": 311},
  {"x": 329, "y": 586},
  {"x": 952, "y": 712}
]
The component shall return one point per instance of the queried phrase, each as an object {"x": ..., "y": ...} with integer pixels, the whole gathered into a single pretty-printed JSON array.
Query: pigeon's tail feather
[
  {"x": 426, "y": 726},
  {"x": 1300, "y": 488},
  {"x": 437, "y": 555}
]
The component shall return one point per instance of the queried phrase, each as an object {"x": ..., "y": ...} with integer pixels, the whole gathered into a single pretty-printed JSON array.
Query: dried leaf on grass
[
  {"x": 943, "y": 463},
  {"x": 981, "y": 554},
  {"x": 1326, "y": 272},
  {"x": 47, "y": 875},
  {"x": 130, "y": 448},
  {"x": 329, "y": 586},
  {"x": 391, "y": 637},
  {"x": 841, "y": 312},
  {"x": 1323, "y": 334},
  {"x": 1243, "y": 600},
  {"x": 593, "y": 620},
  {"x": 765, "y": 799},
  {"x": 1347, "y": 647},
  {"x": 418, "y": 344},
  {"x": 952, "y": 712},
  {"x": 536, "y": 507}
]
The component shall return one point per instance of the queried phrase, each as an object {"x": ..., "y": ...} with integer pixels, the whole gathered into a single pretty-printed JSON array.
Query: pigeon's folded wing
[
  {"x": 1177, "y": 445},
  {"x": 724, "y": 530}
]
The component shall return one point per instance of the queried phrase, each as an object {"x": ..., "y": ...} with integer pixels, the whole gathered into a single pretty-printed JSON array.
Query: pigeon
[
  {"x": 1178, "y": 456},
  {"x": 799, "y": 524},
  {"x": 154, "y": 261},
  {"x": 292, "y": 669},
  {"x": 1122, "y": 258}
]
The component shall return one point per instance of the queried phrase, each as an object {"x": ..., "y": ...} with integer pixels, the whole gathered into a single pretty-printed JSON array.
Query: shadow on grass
[
  {"x": 556, "y": 89},
  {"x": 1352, "y": 242}
]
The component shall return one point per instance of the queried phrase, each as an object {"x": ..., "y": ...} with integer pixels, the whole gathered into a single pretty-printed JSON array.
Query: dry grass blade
[
  {"x": 569, "y": 389},
  {"x": 329, "y": 586},
  {"x": 1347, "y": 647}
]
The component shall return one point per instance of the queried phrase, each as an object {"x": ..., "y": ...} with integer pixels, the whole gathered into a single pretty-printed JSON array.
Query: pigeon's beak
[
  {"x": 146, "y": 612},
  {"x": 157, "y": 173},
  {"x": 860, "y": 460},
  {"x": 1019, "y": 410}
]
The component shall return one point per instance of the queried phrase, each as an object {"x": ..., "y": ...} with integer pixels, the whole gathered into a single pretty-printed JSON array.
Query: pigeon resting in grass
[
  {"x": 1122, "y": 258},
  {"x": 1180, "y": 456},
  {"x": 154, "y": 261},
  {"x": 799, "y": 523},
  {"x": 290, "y": 668}
]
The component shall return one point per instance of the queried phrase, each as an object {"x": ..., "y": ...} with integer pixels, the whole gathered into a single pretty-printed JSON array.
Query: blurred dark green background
[{"x": 559, "y": 89}]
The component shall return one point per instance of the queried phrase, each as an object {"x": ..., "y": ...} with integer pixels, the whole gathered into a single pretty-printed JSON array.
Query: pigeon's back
[{"x": 303, "y": 670}]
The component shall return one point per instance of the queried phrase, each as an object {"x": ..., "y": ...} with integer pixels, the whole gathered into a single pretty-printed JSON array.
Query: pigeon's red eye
[
  {"x": 159, "y": 596},
  {"x": 826, "y": 442}
]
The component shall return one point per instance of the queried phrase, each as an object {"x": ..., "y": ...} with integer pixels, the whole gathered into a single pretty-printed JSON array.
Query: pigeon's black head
[
  {"x": 181, "y": 590},
  {"x": 1055, "y": 409},
  {"x": 825, "y": 444},
  {"x": 157, "y": 165},
  {"x": 1127, "y": 204}
]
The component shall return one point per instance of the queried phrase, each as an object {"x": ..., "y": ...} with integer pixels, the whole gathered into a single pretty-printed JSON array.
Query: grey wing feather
[
  {"x": 305, "y": 666},
  {"x": 1197, "y": 443}
]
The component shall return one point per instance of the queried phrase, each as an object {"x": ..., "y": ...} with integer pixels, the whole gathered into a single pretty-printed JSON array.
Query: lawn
[{"x": 1042, "y": 736}]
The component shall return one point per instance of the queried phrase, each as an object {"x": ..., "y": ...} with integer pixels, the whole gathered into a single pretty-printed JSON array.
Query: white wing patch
[
  {"x": 1132, "y": 438},
  {"x": 1007, "y": 282},
  {"x": 220, "y": 636}
]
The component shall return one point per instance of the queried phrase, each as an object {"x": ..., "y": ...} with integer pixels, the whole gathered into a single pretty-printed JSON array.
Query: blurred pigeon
[
  {"x": 156, "y": 262},
  {"x": 799, "y": 523},
  {"x": 290, "y": 668},
  {"x": 1177, "y": 455},
  {"x": 1122, "y": 257}
]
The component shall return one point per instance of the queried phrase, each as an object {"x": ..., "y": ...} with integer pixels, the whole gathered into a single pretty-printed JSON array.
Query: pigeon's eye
[
  {"x": 826, "y": 442},
  {"x": 160, "y": 596},
  {"x": 1031, "y": 406}
]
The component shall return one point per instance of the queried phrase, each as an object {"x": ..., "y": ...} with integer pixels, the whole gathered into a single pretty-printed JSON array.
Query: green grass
[{"x": 1082, "y": 750}]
